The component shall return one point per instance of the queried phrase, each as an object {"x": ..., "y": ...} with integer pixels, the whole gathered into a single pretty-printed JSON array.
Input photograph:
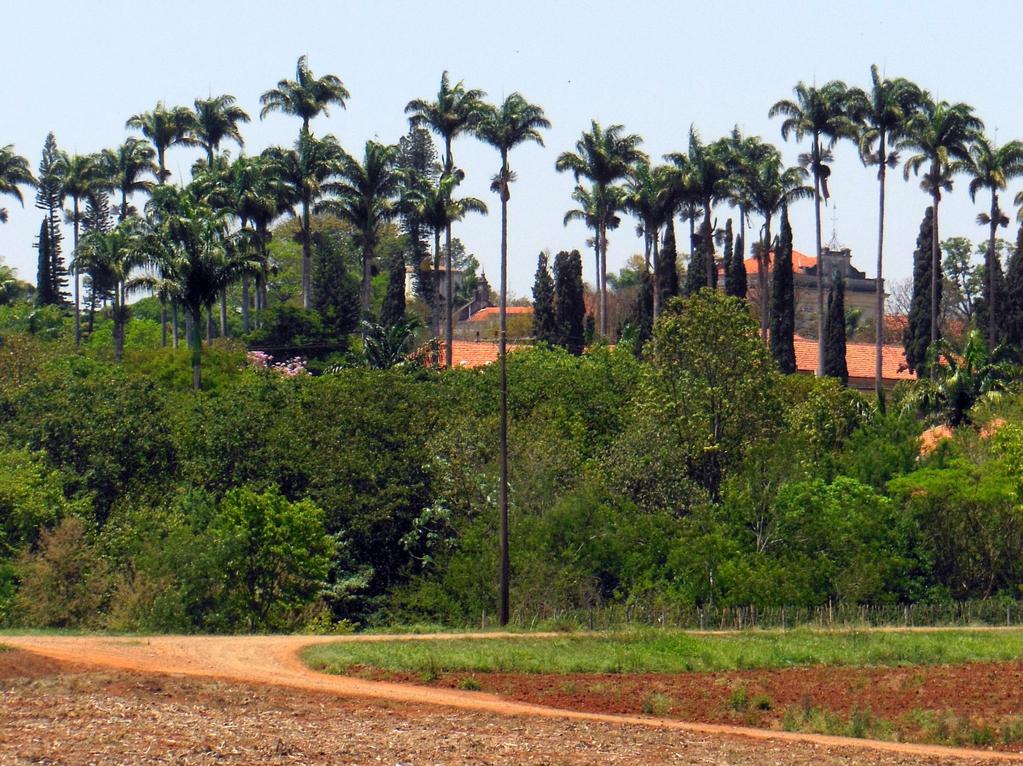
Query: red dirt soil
[{"x": 230, "y": 698}]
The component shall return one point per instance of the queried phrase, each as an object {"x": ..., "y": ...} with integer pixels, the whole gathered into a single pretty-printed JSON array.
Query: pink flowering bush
[{"x": 290, "y": 368}]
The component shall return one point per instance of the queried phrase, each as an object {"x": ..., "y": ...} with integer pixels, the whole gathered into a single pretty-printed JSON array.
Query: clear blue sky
[{"x": 80, "y": 69}]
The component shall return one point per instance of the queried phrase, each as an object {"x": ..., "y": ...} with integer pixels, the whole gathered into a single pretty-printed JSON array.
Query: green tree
[
  {"x": 14, "y": 172},
  {"x": 50, "y": 199},
  {"x": 835, "y": 351},
  {"x": 569, "y": 306},
  {"x": 667, "y": 285},
  {"x": 991, "y": 167},
  {"x": 124, "y": 167},
  {"x": 885, "y": 112},
  {"x": 783, "y": 301},
  {"x": 44, "y": 263},
  {"x": 648, "y": 196},
  {"x": 306, "y": 97},
  {"x": 304, "y": 170},
  {"x": 916, "y": 338},
  {"x": 737, "y": 285},
  {"x": 1014, "y": 295},
  {"x": 364, "y": 196},
  {"x": 165, "y": 128},
  {"x": 598, "y": 209},
  {"x": 274, "y": 556},
  {"x": 417, "y": 162},
  {"x": 727, "y": 252},
  {"x": 81, "y": 174},
  {"x": 545, "y": 327},
  {"x": 217, "y": 118},
  {"x": 962, "y": 277},
  {"x": 602, "y": 156},
  {"x": 392, "y": 311},
  {"x": 938, "y": 134},
  {"x": 822, "y": 114}
]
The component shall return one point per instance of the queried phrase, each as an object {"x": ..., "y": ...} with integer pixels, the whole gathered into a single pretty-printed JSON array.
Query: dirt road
[{"x": 272, "y": 661}]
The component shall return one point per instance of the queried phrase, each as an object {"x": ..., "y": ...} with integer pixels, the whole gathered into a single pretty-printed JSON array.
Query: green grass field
[{"x": 658, "y": 651}]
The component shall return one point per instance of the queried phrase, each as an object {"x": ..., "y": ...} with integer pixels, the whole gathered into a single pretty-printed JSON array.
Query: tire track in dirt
[{"x": 273, "y": 660}]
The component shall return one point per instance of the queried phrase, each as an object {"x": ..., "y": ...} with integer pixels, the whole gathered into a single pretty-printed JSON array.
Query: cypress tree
[
  {"x": 1013, "y": 305},
  {"x": 696, "y": 272},
  {"x": 545, "y": 328},
  {"x": 417, "y": 158},
  {"x": 917, "y": 336},
  {"x": 569, "y": 307},
  {"x": 726, "y": 257},
  {"x": 834, "y": 333},
  {"x": 50, "y": 198},
  {"x": 392, "y": 311},
  {"x": 44, "y": 280},
  {"x": 667, "y": 266},
  {"x": 981, "y": 312},
  {"x": 643, "y": 311},
  {"x": 783, "y": 309},
  {"x": 737, "y": 284}
]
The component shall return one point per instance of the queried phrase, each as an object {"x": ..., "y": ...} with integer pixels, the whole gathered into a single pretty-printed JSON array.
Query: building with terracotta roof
[
  {"x": 859, "y": 358},
  {"x": 466, "y": 353}
]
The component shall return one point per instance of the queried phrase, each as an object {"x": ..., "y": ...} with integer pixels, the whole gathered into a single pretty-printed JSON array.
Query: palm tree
[
  {"x": 306, "y": 96},
  {"x": 364, "y": 195},
  {"x": 165, "y": 128},
  {"x": 81, "y": 172},
  {"x": 112, "y": 256},
  {"x": 820, "y": 113},
  {"x": 390, "y": 346},
  {"x": 648, "y": 196},
  {"x": 124, "y": 167},
  {"x": 504, "y": 127},
  {"x": 603, "y": 157},
  {"x": 771, "y": 188},
  {"x": 304, "y": 170},
  {"x": 939, "y": 134},
  {"x": 598, "y": 209},
  {"x": 885, "y": 112},
  {"x": 14, "y": 172},
  {"x": 217, "y": 118},
  {"x": 187, "y": 241},
  {"x": 991, "y": 167},
  {"x": 708, "y": 180}
]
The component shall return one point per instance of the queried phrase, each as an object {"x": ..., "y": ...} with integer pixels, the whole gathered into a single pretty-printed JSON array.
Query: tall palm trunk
[
  {"x": 935, "y": 279},
  {"x": 367, "y": 274},
  {"x": 163, "y": 323},
  {"x": 245, "y": 304},
  {"x": 163, "y": 168},
  {"x": 820, "y": 264},
  {"x": 193, "y": 320},
  {"x": 118, "y": 309},
  {"x": 656, "y": 273},
  {"x": 124, "y": 207},
  {"x": 306, "y": 255},
  {"x": 763, "y": 271},
  {"x": 596, "y": 271},
  {"x": 78, "y": 283},
  {"x": 435, "y": 318},
  {"x": 603, "y": 280},
  {"x": 879, "y": 309},
  {"x": 708, "y": 244},
  {"x": 174, "y": 323},
  {"x": 209, "y": 323},
  {"x": 992, "y": 315},
  {"x": 223, "y": 312},
  {"x": 449, "y": 299},
  {"x": 505, "y": 573}
]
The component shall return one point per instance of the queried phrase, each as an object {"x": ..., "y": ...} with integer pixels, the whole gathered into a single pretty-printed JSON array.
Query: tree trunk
[
  {"x": 193, "y": 319},
  {"x": 992, "y": 333},
  {"x": 223, "y": 312},
  {"x": 306, "y": 256},
  {"x": 656, "y": 275},
  {"x": 245, "y": 304},
  {"x": 879, "y": 327},
  {"x": 163, "y": 323},
  {"x": 820, "y": 264},
  {"x": 763, "y": 272},
  {"x": 78, "y": 283},
  {"x": 596, "y": 275},
  {"x": 435, "y": 319},
  {"x": 163, "y": 168},
  {"x": 367, "y": 277},
  {"x": 118, "y": 325},
  {"x": 209, "y": 323},
  {"x": 935, "y": 280},
  {"x": 604, "y": 324},
  {"x": 708, "y": 245},
  {"x": 174, "y": 323},
  {"x": 505, "y": 573},
  {"x": 449, "y": 299}
]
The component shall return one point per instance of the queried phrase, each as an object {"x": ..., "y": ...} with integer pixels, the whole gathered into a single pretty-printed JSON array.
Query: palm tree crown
[
  {"x": 306, "y": 96},
  {"x": 454, "y": 111},
  {"x": 14, "y": 172},
  {"x": 165, "y": 128},
  {"x": 217, "y": 118},
  {"x": 124, "y": 168}
]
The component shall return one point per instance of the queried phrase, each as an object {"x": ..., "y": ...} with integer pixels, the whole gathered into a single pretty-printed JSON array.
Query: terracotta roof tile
[
  {"x": 466, "y": 353},
  {"x": 799, "y": 261},
  {"x": 491, "y": 312},
  {"x": 859, "y": 358}
]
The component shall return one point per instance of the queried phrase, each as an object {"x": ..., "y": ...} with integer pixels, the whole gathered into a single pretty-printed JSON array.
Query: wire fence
[{"x": 609, "y": 617}]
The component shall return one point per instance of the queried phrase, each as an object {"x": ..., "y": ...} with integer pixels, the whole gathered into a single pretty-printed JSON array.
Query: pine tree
[
  {"x": 643, "y": 311},
  {"x": 737, "y": 284},
  {"x": 1013, "y": 304},
  {"x": 916, "y": 337},
  {"x": 569, "y": 307},
  {"x": 981, "y": 313},
  {"x": 726, "y": 257},
  {"x": 392, "y": 311},
  {"x": 545, "y": 329},
  {"x": 667, "y": 267},
  {"x": 696, "y": 271},
  {"x": 50, "y": 198},
  {"x": 98, "y": 216},
  {"x": 783, "y": 309},
  {"x": 834, "y": 332},
  {"x": 44, "y": 280},
  {"x": 417, "y": 159}
]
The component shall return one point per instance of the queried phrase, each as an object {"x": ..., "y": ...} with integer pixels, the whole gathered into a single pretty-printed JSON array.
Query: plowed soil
[{"x": 243, "y": 700}]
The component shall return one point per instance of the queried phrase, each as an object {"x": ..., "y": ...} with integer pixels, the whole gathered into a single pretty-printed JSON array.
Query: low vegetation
[{"x": 657, "y": 651}]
